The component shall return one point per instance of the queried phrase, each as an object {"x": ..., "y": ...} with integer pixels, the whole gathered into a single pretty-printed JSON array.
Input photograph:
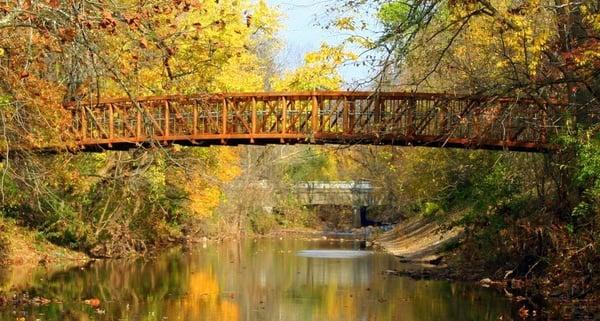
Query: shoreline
[
  {"x": 29, "y": 258},
  {"x": 529, "y": 300}
]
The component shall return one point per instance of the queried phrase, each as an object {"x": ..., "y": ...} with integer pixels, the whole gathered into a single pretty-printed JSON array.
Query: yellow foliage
[
  {"x": 591, "y": 18},
  {"x": 485, "y": 48},
  {"x": 319, "y": 72},
  {"x": 330, "y": 170},
  {"x": 204, "y": 201},
  {"x": 228, "y": 166},
  {"x": 489, "y": 40},
  {"x": 208, "y": 48},
  {"x": 345, "y": 23},
  {"x": 202, "y": 180}
]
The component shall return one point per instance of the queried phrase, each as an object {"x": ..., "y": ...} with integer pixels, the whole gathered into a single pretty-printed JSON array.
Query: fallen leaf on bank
[
  {"x": 94, "y": 303},
  {"x": 40, "y": 301},
  {"x": 523, "y": 312}
]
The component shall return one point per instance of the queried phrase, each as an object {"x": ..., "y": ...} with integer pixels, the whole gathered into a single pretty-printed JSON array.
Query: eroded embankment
[{"x": 419, "y": 239}]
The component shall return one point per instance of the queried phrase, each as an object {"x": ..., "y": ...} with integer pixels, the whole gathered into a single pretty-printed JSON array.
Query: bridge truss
[{"x": 317, "y": 118}]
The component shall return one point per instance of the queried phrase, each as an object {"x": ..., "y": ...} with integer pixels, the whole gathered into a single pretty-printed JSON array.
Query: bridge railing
[{"x": 318, "y": 117}]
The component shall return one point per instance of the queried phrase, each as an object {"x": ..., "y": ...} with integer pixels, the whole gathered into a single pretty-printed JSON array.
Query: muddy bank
[
  {"x": 421, "y": 240},
  {"x": 428, "y": 249},
  {"x": 433, "y": 252}
]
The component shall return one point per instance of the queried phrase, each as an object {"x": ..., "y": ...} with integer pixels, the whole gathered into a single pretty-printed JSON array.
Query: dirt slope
[
  {"x": 418, "y": 240},
  {"x": 28, "y": 255}
]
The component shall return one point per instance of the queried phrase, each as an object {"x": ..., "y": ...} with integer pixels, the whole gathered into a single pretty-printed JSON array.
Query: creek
[{"x": 264, "y": 279}]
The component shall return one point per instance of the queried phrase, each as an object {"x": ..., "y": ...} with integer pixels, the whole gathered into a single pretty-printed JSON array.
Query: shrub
[
  {"x": 430, "y": 209},
  {"x": 261, "y": 222}
]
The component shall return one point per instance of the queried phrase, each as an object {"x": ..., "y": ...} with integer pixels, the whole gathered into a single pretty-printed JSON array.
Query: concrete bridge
[
  {"x": 357, "y": 194},
  {"x": 352, "y": 193}
]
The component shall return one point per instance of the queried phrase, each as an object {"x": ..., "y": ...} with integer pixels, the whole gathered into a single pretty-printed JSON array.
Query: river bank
[
  {"x": 438, "y": 254},
  {"x": 27, "y": 257},
  {"x": 24, "y": 248}
]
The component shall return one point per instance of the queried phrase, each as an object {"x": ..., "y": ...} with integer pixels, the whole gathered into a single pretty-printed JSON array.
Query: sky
[{"x": 302, "y": 33}]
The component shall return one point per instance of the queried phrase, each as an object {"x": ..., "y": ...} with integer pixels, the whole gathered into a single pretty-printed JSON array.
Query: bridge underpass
[
  {"x": 356, "y": 194},
  {"x": 385, "y": 118}
]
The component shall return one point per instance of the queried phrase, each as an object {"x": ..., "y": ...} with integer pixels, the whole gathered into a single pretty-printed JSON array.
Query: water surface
[{"x": 257, "y": 280}]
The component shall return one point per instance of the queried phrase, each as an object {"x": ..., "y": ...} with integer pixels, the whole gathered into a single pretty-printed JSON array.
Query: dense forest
[{"x": 536, "y": 215}]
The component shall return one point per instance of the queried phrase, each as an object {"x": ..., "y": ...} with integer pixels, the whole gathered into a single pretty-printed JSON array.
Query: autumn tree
[
  {"x": 544, "y": 51},
  {"x": 52, "y": 52}
]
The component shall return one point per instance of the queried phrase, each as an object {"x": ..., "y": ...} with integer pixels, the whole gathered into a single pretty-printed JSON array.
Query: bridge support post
[
  {"x": 111, "y": 124},
  {"x": 253, "y": 120},
  {"x": 346, "y": 117},
  {"x": 412, "y": 111},
  {"x": 351, "y": 117},
  {"x": 443, "y": 118},
  {"x": 284, "y": 119},
  {"x": 544, "y": 130},
  {"x": 138, "y": 120},
  {"x": 224, "y": 121},
  {"x": 314, "y": 117},
  {"x": 377, "y": 109},
  {"x": 356, "y": 216},
  {"x": 195, "y": 119}
]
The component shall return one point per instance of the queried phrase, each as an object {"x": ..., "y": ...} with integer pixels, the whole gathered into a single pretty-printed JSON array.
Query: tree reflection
[{"x": 256, "y": 280}]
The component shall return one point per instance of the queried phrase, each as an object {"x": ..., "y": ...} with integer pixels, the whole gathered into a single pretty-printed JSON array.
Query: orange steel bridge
[{"x": 387, "y": 118}]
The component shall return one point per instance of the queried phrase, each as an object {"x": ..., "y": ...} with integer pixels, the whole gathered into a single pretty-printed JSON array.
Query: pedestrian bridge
[{"x": 386, "y": 118}]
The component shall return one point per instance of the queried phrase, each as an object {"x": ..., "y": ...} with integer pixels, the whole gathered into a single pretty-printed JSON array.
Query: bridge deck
[{"x": 317, "y": 118}]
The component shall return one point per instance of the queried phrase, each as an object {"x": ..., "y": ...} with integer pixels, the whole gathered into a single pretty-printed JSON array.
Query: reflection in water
[{"x": 258, "y": 280}]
